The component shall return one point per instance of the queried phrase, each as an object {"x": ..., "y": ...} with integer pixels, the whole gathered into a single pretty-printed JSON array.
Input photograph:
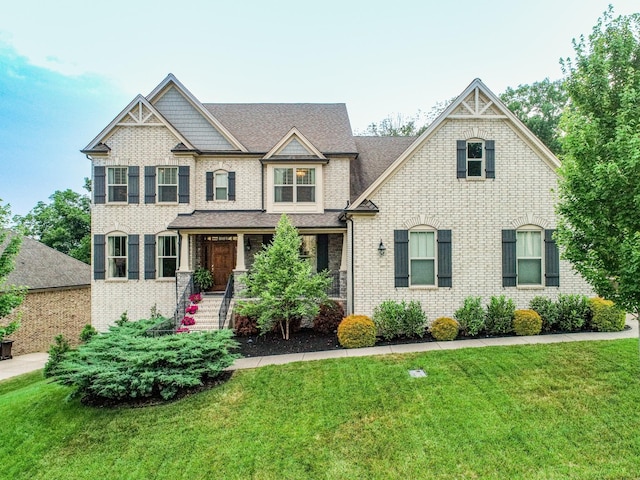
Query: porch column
[
  {"x": 240, "y": 253},
  {"x": 184, "y": 253}
]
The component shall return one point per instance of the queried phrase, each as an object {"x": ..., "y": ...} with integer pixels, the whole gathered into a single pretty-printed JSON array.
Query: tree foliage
[
  {"x": 399, "y": 125},
  {"x": 281, "y": 284},
  {"x": 11, "y": 296},
  {"x": 63, "y": 224},
  {"x": 539, "y": 106},
  {"x": 599, "y": 196}
]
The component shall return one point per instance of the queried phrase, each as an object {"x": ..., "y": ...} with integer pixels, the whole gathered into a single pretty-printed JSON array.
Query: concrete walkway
[{"x": 35, "y": 361}]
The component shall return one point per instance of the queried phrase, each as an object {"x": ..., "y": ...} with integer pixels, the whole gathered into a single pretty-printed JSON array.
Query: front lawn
[{"x": 535, "y": 411}]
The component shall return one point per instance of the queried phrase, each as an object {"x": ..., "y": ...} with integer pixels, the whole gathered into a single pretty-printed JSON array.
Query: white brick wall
[{"x": 475, "y": 211}]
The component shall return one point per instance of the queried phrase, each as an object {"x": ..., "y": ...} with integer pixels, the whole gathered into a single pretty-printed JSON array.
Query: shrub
[
  {"x": 244, "y": 325},
  {"x": 548, "y": 311},
  {"x": 357, "y": 331},
  {"x": 444, "y": 329},
  {"x": 471, "y": 317},
  {"x": 124, "y": 363},
  {"x": 188, "y": 321},
  {"x": 124, "y": 318},
  {"x": 329, "y": 317},
  {"x": 573, "y": 311},
  {"x": 394, "y": 319},
  {"x": 499, "y": 317},
  {"x": 527, "y": 322},
  {"x": 605, "y": 316},
  {"x": 57, "y": 352},
  {"x": 414, "y": 320},
  {"x": 87, "y": 333}
]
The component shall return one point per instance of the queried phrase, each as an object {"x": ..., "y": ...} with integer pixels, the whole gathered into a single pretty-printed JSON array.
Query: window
[
  {"x": 474, "y": 158},
  {"x": 300, "y": 190},
  {"x": 167, "y": 256},
  {"x": 529, "y": 257},
  {"x": 422, "y": 257},
  {"x": 117, "y": 184},
  {"x": 117, "y": 256},
  {"x": 221, "y": 185},
  {"x": 167, "y": 184}
]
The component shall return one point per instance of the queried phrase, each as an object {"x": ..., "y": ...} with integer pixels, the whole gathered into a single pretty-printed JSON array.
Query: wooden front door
[{"x": 222, "y": 259}]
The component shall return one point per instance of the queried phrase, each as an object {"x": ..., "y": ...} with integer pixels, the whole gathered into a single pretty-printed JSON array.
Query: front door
[{"x": 222, "y": 258}]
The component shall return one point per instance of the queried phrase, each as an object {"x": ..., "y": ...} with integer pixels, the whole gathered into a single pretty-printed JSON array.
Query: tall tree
[
  {"x": 599, "y": 195},
  {"x": 11, "y": 296},
  {"x": 540, "y": 106},
  {"x": 63, "y": 224},
  {"x": 281, "y": 284}
]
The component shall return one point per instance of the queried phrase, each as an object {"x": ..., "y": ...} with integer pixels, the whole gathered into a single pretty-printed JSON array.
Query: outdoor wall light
[
  {"x": 381, "y": 248},
  {"x": 247, "y": 245}
]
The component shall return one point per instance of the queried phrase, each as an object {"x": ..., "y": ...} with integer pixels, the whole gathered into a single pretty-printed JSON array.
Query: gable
[
  {"x": 476, "y": 104},
  {"x": 294, "y": 145}
]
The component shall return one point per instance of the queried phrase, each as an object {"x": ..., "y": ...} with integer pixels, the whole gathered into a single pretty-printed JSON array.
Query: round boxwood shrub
[
  {"x": 444, "y": 329},
  {"x": 527, "y": 322},
  {"x": 605, "y": 316},
  {"x": 357, "y": 331}
]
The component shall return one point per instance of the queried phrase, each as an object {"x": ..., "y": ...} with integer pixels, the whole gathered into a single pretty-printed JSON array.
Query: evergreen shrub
[
  {"x": 548, "y": 311},
  {"x": 499, "y": 319},
  {"x": 471, "y": 317},
  {"x": 527, "y": 322},
  {"x": 356, "y": 331},
  {"x": 606, "y": 316},
  {"x": 573, "y": 312},
  {"x": 444, "y": 329}
]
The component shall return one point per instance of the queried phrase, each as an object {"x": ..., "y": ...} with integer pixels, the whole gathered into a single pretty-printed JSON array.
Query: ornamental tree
[
  {"x": 281, "y": 285},
  {"x": 599, "y": 191},
  {"x": 10, "y": 296}
]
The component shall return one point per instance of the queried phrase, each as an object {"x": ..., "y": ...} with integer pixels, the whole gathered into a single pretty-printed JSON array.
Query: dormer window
[{"x": 294, "y": 185}]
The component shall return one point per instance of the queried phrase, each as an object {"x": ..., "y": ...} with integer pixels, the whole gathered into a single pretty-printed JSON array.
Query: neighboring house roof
[
  {"x": 375, "y": 154},
  {"x": 260, "y": 126},
  {"x": 229, "y": 219},
  {"x": 38, "y": 267}
]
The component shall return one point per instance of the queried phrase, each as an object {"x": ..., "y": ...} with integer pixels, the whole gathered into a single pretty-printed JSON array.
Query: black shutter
[
  {"x": 266, "y": 239},
  {"x": 98, "y": 185},
  {"x": 149, "y": 184},
  {"x": 98, "y": 257},
  {"x": 232, "y": 186},
  {"x": 462, "y": 158},
  {"x": 322, "y": 258},
  {"x": 209, "y": 186},
  {"x": 509, "y": 258},
  {"x": 134, "y": 184},
  {"x": 183, "y": 184},
  {"x": 444, "y": 258},
  {"x": 551, "y": 260},
  {"x": 149, "y": 257},
  {"x": 489, "y": 146},
  {"x": 133, "y": 257},
  {"x": 401, "y": 257}
]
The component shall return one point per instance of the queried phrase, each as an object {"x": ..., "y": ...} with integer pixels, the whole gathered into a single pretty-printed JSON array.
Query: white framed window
[
  {"x": 422, "y": 257},
  {"x": 221, "y": 186},
  {"x": 117, "y": 256},
  {"x": 117, "y": 184},
  {"x": 167, "y": 184},
  {"x": 475, "y": 158},
  {"x": 167, "y": 256},
  {"x": 294, "y": 185},
  {"x": 529, "y": 251}
]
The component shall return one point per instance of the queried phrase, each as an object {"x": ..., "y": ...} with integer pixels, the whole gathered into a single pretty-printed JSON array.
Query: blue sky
[{"x": 68, "y": 67}]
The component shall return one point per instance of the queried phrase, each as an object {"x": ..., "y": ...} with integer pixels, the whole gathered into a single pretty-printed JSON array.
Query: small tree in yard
[
  {"x": 281, "y": 284},
  {"x": 10, "y": 296}
]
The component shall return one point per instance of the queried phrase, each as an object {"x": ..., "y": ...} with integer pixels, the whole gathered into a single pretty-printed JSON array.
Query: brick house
[
  {"x": 180, "y": 184},
  {"x": 58, "y": 299}
]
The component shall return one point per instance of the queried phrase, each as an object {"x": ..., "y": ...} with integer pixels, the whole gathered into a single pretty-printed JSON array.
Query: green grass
[{"x": 534, "y": 412}]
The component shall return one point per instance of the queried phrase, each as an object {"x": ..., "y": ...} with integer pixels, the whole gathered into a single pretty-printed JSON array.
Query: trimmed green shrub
[
  {"x": 329, "y": 317},
  {"x": 499, "y": 319},
  {"x": 573, "y": 312},
  {"x": 548, "y": 311},
  {"x": 605, "y": 316},
  {"x": 124, "y": 363},
  {"x": 57, "y": 352},
  {"x": 394, "y": 319},
  {"x": 87, "y": 333},
  {"x": 471, "y": 317},
  {"x": 444, "y": 329},
  {"x": 527, "y": 322},
  {"x": 357, "y": 331}
]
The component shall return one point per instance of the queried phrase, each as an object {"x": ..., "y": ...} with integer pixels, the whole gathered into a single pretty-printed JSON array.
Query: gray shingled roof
[
  {"x": 375, "y": 155},
  {"x": 38, "y": 266},
  {"x": 223, "y": 220},
  {"x": 259, "y": 126}
]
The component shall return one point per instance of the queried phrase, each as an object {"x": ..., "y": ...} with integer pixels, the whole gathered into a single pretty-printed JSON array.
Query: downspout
[
  {"x": 262, "y": 184},
  {"x": 352, "y": 266}
]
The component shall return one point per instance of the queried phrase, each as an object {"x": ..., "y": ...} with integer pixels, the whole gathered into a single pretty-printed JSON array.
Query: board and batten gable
[{"x": 424, "y": 191}]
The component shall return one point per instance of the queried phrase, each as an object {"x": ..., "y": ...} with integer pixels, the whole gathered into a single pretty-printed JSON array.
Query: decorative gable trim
[
  {"x": 137, "y": 114},
  {"x": 294, "y": 135},
  {"x": 169, "y": 81},
  {"x": 479, "y": 107}
]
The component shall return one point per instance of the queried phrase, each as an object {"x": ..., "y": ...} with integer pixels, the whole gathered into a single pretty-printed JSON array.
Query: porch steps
[{"x": 207, "y": 317}]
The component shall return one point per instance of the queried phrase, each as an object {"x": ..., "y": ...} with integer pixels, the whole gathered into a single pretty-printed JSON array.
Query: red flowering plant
[
  {"x": 191, "y": 309},
  {"x": 188, "y": 321},
  {"x": 183, "y": 330},
  {"x": 195, "y": 297}
]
